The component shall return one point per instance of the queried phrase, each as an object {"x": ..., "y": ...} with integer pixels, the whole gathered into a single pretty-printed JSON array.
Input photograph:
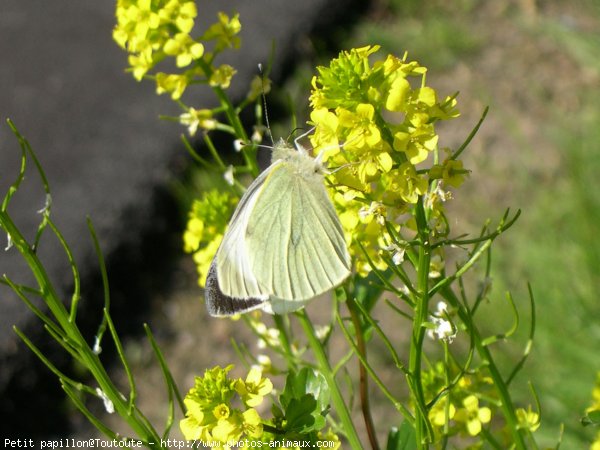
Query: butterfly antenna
[{"x": 264, "y": 97}]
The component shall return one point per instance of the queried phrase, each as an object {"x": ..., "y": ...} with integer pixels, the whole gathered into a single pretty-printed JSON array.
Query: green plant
[{"x": 374, "y": 121}]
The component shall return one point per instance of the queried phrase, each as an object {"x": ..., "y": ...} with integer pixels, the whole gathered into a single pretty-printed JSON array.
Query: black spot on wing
[{"x": 219, "y": 304}]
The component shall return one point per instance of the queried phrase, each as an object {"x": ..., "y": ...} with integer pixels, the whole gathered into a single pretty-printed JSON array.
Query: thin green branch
[
  {"x": 363, "y": 379},
  {"x": 324, "y": 367},
  {"x": 380, "y": 384}
]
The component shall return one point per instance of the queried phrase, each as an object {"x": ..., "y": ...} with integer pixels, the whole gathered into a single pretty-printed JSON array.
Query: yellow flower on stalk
[
  {"x": 206, "y": 224},
  {"x": 528, "y": 419},
  {"x": 472, "y": 415},
  {"x": 254, "y": 388},
  {"x": 192, "y": 425},
  {"x": 596, "y": 443},
  {"x": 325, "y": 137},
  {"x": 184, "y": 48},
  {"x": 442, "y": 413},
  {"x": 403, "y": 185},
  {"x": 233, "y": 427},
  {"x": 331, "y": 437},
  {"x": 222, "y": 76},
  {"x": 180, "y": 13},
  {"x": 149, "y": 30},
  {"x": 134, "y": 20},
  {"x": 172, "y": 83},
  {"x": 225, "y": 32},
  {"x": 398, "y": 95},
  {"x": 198, "y": 118},
  {"x": 141, "y": 62},
  {"x": 363, "y": 133},
  {"x": 203, "y": 258},
  {"x": 451, "y": 172},
  {"x": 221, "y": 411}
]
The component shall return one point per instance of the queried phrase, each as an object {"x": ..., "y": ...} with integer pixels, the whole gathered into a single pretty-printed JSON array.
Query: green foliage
[
  {"x": 402, "y": 438},
  {"x": 306, "y": 397},
  {"x": 375, "y": 121}
]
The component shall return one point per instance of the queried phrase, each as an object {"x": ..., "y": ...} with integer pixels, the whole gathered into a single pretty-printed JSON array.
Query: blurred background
[{"x": 536, "y": 64}]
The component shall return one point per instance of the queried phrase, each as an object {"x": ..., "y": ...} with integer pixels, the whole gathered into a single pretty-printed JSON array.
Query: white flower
[
  {"x": 228, "y": 175},
  {"x": 442, "y": 309},
  {"x": 108, "y": 404},
  {"x": 442, "y": 327},
  {"x": 443, "y": 330},
  {"x": 257, "y": 135},
  {"x": 238, "y": 145},
  {"x": 264, "y": 363},
  {"x": 375, "y": 209},
  {"x": 397, "y": 253},
  {"x": 195, "y": 118},
  {"x": 437, "y": 194},
  {"x": 322, "y": 331}
]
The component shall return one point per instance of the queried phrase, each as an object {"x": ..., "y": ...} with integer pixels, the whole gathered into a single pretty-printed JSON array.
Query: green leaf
[
  {"x": 307, "y": 381},
  {"x": 305, "y": 401},
  {"x": 402, "y": 439},
  {"x": 301, "y": 415},
  {"x": 592, "y": 418},
  {"x": 276, "y": 411}
]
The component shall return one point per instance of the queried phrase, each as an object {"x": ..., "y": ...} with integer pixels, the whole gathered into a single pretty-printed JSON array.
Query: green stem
[
  {"x": 325, "y": 368},
  {"x": 416, "y": 349},
  {"x": 423, "y": 429},
  {"x": 85, "y": 354},
  {"x": 233, "y": 119},
  {"x": 506, "y": 404},
  {"x": 364, "y": 379}
]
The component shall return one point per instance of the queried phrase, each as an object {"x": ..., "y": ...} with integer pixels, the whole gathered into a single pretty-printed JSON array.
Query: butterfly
[{"x": 284, "y": 244}]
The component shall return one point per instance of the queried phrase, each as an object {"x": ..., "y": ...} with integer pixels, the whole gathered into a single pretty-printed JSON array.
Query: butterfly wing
[
  {"x": 235, "y": 276},
  {"x": 219, "y": 304},
  {"x": 294, "y": 240}
]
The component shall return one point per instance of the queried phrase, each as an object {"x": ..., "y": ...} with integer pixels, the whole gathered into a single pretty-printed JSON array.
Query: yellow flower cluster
[
  {"x": 152, "y": 30},
  {"x": 210, "y": 416},
  {"x": 460, "y": 412},
  {"x": 595, "y": 406},
  {"x": 206, "y": 224},
  {"x": 377, "y": 132}
]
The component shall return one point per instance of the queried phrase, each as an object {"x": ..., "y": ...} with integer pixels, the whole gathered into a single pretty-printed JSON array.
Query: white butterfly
[{"x": 284, "y": 244}]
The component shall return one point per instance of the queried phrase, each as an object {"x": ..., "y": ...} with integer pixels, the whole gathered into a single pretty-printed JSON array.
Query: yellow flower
[
  {"x": 442, "y": 413},
  {"x": 528, "y": 419},
  {"x": 596, "y": 443},
  {"x": 221, "y": 411},
  {"x": 222, "y": 76},
  {"x": 451, "y": 172},
  {"x": 184, "y": 48},
  {"x": 398, "y": 95},
  {"x": 203, "y": 258},
  {"x": 198, "y": 118},
  {"x": 325, "y": 137},
  {"x": 225, "y": 32},
  {"x": 364, "y": 133},
  {"x": 472, "y": 415},
  {"x": 233, "y": 427},
  {"x": 254, "y": 388},
  {"x": 172, "y": 83},
  {"x": 192, "y": 426}
]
